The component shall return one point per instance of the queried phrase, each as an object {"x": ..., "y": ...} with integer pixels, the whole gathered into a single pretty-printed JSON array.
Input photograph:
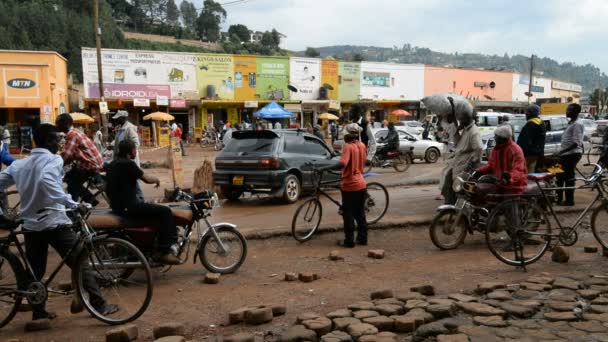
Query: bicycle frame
[{"x": 329, "y": 184}]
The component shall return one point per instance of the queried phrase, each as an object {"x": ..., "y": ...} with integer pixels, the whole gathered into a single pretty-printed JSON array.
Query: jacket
[
  {"x": 392, "y": 140},
  {"x": 468, "y": 148},
  {"x": 532, "y": 138},
  {"x": 508, "y": 158},
  {"x": 127, "y": 131}
]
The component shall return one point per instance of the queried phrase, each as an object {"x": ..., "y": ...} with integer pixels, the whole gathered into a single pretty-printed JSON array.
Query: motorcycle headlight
[
  {"x": 215, "y": 201},
  {"x": 457, "y": 185}
]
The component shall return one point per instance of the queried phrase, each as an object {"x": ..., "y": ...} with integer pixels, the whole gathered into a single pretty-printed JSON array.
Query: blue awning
[{"x": 273, "y": 111}]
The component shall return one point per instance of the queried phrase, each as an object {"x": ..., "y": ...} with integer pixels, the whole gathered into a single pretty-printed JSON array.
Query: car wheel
[
  {"x": 292, "y": 189},
  {"x": 432, "y": 155},
  {"x": 231, "y": 194}
]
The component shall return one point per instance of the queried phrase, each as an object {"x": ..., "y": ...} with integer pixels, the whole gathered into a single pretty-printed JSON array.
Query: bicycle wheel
[
  {"x": 369, "y": 164},
  {"x": 306, "y": 220},
  {"x": 225, "y": 253},
  {"x": 104, "y": 262},
  {"x": 376, "y": 202},
  {"x": 599, "y": 224},
  {"x": 449, "y": 229},
  {"x": 11, "y": 282},
  {"x": 401, "y": 163},
  {"x": 518, "y": 223}
]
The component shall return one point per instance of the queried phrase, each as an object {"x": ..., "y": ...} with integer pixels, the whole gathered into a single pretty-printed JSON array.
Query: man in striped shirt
[{"x": 81, "y": 153}]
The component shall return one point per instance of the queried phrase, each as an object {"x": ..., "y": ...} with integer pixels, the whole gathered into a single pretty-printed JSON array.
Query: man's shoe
[
  {"x": 345, "y": 244},
  {"x": 361, "y": 243},
  {"x": 76, "y": 306},
  {"x": 43, "y": 315},
  {"x": 107, "y": 309},
  {"x": 169, "y": 259}
]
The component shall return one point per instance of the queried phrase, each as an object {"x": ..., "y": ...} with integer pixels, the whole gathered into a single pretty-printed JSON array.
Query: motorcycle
[
  {"x": 399, "y": 160},
  {"x": 221, "y": 248}
]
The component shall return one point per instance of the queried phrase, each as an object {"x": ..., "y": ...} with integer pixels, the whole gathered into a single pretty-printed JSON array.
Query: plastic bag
[{"x": 440, "y": 105}]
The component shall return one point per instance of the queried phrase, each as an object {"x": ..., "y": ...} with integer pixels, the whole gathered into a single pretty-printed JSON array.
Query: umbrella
[
  {"x": 328, "y": 116},
  {"x": 81, "y": 118},
  {"x": 159, "y": 116},
  {"x": 273, "y": 111},
  {"x": 401, "y": 112}
]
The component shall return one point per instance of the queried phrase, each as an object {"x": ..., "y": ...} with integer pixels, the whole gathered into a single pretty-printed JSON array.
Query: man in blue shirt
[{"x": 38, "y": 179}]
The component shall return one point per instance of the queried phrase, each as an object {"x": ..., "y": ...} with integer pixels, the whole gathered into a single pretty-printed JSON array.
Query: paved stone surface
[
  {"x": 479, "y": 309},
  {"x": 404, "y": 297},
  {"x": 258, "y": 315},
  {"x": 382, "y": 323},
  {"x": 462, "y": 298},
  {"x": 453, "y": 338},
  {"x": 171, "y": 339},
  {"x": 442, "y": 310},
  {"x": 320, "y": 325},
  {"x": 240, "y": 337},
  {"x": 365, "y": 313},
  {"x": 488, "y": 287},
  {"x": 361, "y": 329},
  {"x": 212, "y": 278},
  {"x": 336, "y": 336},
  {"x": 490, "y": 321},
  {"x": 343, "y": 322},
  {"x": 362, "y": 306},
  {"x": 560, "y": 254},
  {"x": 499, "y": 295},
  {"x": 299, "y": 333},
  {"x": 415, "y": 303},
  {"x": 169, "y": 329},
  {"x": 427, "y": 290},
  {"x": 382, "y": 294},
  {"x": 566, "y": 283},
  {"x": 560, "y": 316},
  {"x": 518, "y": 311},
  {"x": 125, "y": 333},
  {"x": 376, "y": 253},
  {"x": 339, "y": 313},
  {"x": 39, "y": 325}
]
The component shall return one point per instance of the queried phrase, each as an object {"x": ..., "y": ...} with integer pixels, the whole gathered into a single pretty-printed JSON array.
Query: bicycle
[
  {"x": 523, "y": 221},
  {"x": 94, "y": 256},
  {"x": 376, "y": 204}
]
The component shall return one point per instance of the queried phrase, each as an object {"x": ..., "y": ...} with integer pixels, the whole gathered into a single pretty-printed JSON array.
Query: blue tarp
[{"x": 273, "y": 111}]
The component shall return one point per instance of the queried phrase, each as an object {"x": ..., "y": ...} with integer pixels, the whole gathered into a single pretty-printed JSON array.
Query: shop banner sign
[
  {"x": 251, "y": 104},
  {"x": 273, "y": 78},
  {"x": 245, "y": 77},
  {"x": 139, "y": 68},
  {"x": 20, "y": 83},
  {"x": 141, "y": 102},
  {"x": 329, "y": 75},
  {"x": 376, "y": 79},
  {"x": 46, "y": 113},
  {"x": 103, "y": 107},
  {"x": 215, "y": 76},
  {"x": 177, "y": 103},
  {"x": 349, "y": 79},
  {"x": 305, "y": 75},
  {"x": 129, "y": 91},
  {"x": 162, "y": 100}
]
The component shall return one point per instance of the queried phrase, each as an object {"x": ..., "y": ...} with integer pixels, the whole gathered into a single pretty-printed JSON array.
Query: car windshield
[
  {"x": 414, "y": 124},
  {"x": 251, "y": 144}
]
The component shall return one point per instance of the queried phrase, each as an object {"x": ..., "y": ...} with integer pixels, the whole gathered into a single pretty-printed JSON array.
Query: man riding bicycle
[
  {"x": 507, "y": 163},
  {"x": 391, "y": 142}
]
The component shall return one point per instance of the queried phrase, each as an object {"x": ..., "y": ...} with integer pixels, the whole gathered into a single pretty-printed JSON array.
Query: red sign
[{"x": 177, "y": 103}]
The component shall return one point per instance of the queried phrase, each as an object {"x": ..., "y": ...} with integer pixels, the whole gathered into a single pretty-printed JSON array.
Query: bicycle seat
[{"x": 538, "y": 177}]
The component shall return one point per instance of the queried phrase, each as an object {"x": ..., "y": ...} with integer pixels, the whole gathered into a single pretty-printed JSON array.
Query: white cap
[
  {"x": 504, "y": 131},
  {"x": 120, "y": 114}
]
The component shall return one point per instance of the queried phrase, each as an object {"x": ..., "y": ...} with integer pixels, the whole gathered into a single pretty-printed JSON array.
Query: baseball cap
[
  {"x": 120, "y": 114},
  {"x": 503, "y": 131}
]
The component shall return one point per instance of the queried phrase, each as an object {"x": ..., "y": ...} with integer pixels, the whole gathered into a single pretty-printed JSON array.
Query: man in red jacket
[{"x": 507, "y": 162}]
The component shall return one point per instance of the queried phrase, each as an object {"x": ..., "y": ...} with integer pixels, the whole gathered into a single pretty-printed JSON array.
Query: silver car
[{"x": 427, "y": 150}]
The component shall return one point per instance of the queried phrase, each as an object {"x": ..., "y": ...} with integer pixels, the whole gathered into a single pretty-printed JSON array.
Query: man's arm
[
  {"x": 6, "y": 179},
  {"x": 578, "y": 133},
  {"x": 518, "y": 169},
  {"x": 148, "y": 179},
  {"x": 6, "y": 157},
  {"x": 53, "y": 185}
]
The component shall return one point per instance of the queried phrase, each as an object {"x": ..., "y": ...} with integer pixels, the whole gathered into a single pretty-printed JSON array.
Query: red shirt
[
  {"x": 508, "y": 157},
  {"x": 353, "y": 162},
  {"x": 177, "y": 133},
  {"x": 81, "y": 150}
]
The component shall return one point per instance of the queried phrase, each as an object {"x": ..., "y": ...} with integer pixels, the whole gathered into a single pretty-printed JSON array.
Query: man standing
[
  {"x": 126, "y": 130},
  {"x": 570, "y": 154},
  {"x": 532, "y": 138},
  {"x": 81, "y": 152},
  {"x": 427, "y": 128},
  {"x": 38, "y": 179},
  {"x": 333, "y": 130}
]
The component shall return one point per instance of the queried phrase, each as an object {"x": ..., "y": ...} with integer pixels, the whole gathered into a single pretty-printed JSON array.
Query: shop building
[
  {"x": 566, "y": 92},
  {"x": 33, "y": 89},
  {"x": 477, "y": 85}
]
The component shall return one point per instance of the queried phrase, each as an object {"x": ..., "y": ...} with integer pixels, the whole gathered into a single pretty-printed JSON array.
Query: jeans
[
  {"x": 531, "y": 161},
  {"x": 353, "y": 211},
  {"x": 162, "y": 215},
  {"x": 181, "y": 145},
  {"x": 447, "y": 191},
  {"x": 75, "y": 179},
  {"x": 62, "y": 240},
  {"x": 566, "y": 178}
]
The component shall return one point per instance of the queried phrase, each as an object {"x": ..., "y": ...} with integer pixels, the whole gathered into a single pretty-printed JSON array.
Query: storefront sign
[
  {"x": 305, "y": 75},
  {"x": 567, "y": 86},
  {"x": 553, "y": 108},
  {"x": 176, "y": 103},
  {"x": 141, "y": 103},
  {"x": 538, "y": 89},
  {"x": 273, "y": 78},
  {"x": 103, "y": 107},
  {"x": 162, "y": 100},
  {"x": 21, "y": 83},
  {"x": 251, "y": 104},
  {"x": 349, "y": 79},
  {"x": 333, "y": 104},
  {"x": 45, "y": 114},
  {"x": 376, "y": 79},
  {"x": 329, "y": 76},
  {"x": 245, "y": 77},
  {"x": 214, "y": 75},
  {"x": 129, "y": 91}
]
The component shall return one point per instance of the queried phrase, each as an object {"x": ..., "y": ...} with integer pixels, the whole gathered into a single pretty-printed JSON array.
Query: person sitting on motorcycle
[
  {"x": 507, "y": 163},
  {"x": 121, "y": 183},
  {"x": 391, "y": 142}
]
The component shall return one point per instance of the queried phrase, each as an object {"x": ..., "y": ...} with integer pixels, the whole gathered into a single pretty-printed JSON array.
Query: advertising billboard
[
  {"x": 137, "y": 70},
  {"x": 349, "y": 80},
  {"x": 305, "y": 75},
  {"x": 273, "y": 78},
  {"x": 215, "y": 75},
  {"x": 245, "y": 77},
  {"x": 20, "y": 82},
  {"x": 329, "y": 75}
]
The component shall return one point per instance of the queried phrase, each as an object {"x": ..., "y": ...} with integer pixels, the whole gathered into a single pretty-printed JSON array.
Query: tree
[
  {"x": 312, "y": 52},
  {"x": 188, "y": 12},
  {"x": 358, "y": 57},
  {"x": 208, "y": 23},
  {"x": 267, "y": 40},
  {"x": 239, "y": 32},
  {"x": 172, "y": 13},
  {"x": 599, "y": 98},
  {"x": 276, "y": 38}
]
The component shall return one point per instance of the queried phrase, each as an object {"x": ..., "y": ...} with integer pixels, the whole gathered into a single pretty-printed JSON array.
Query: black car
[{"x": 270, "y": 161}]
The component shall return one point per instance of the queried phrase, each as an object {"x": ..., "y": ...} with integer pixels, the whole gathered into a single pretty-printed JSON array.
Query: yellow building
[
  {"x": 567, "y": 92},
  {"x": 33, "y": 87}
]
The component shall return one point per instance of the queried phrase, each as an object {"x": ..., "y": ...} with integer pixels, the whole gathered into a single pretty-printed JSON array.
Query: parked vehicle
[
  {"x": 412, "y": 126},
  {"x": 271, "y": 162},
  {"x": 220, "y": 247},
  {"x": 398, "y": 160}
]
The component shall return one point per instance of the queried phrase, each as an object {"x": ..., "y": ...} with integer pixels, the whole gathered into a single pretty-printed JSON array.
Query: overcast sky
[{"x": 565, "y": 30}]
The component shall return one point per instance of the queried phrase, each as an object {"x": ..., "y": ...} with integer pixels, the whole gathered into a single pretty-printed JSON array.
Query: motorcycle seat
[
  {"x": 539, "y": 177},
  {"x": 107, "y": 220}
]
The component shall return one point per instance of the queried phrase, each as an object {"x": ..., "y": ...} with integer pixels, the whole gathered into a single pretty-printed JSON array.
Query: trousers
[
  {"x": 566, "y": 178},
  {"x": 167, "y": 232},
  {"x": 62, "y": 240},
  {"x": 353, "y": 211},
  {"x": 75, "y": 179}
]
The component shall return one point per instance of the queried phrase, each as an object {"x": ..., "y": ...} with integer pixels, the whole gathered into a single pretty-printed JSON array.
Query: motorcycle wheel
[
  {"x": 211, "y": 255},
  {"x": 445, "y": 232},
  {"x": 401, "y": 163}
]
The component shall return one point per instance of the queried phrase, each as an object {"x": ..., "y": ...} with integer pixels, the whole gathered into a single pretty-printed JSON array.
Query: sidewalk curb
[{"x": 407, "y": 223}]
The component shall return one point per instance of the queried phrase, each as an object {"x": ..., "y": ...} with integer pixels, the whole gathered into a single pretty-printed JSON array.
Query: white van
[{"x": 488, "y": 121}]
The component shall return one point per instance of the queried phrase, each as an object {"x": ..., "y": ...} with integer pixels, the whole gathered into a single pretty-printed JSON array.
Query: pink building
[{"x": 481, "y": 85}]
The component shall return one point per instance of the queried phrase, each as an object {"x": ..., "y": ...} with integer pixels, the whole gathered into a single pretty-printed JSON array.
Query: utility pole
[
  {"x": 531, "y": 76},
  {"x": 104, "y": 118}
]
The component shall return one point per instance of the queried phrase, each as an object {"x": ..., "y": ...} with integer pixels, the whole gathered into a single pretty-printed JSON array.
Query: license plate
[
  {"x": 238, "y": 180},
  {"x": 460, "y": 203}
]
